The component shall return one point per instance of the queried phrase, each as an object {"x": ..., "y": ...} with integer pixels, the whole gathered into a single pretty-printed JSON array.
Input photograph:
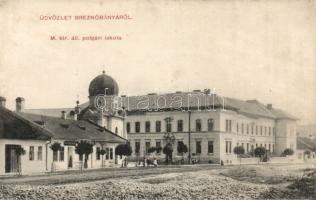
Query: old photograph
[{"x": 163, "y": 99}]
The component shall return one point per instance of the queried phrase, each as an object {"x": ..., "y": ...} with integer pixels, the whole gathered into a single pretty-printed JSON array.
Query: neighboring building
[
  {"x": 210, "y": 125},
  {"x": 306, "y": 149},
  {"x": 308, "y": 131},
  {"x": 36, "y": 133}
]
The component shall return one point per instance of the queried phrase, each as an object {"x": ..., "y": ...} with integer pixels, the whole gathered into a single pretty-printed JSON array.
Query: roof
[
  {"x": 72, "y": 129},
  {"x": 12, "y": 126},
  {"x": 304, "y": 143},
  {"x": 185, "y": 100},
  {"x": 53, "y": 112}
]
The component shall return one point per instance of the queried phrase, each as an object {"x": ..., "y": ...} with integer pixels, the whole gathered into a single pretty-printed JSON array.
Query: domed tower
[{"x": 102, "y": 109}]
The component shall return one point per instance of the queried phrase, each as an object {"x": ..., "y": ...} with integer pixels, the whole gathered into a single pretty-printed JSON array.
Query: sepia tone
[{"x": 157, "y": 99}]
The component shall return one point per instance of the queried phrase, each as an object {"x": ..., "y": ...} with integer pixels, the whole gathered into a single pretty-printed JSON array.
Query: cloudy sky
[{"x": 263, "y": 50}]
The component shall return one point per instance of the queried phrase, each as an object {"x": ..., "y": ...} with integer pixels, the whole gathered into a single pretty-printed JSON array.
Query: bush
[{"x": 288, "y": 152}]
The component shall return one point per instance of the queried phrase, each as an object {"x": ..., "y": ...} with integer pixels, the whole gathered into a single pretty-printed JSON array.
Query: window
[
  {"x": 269, "y": 131},
  {"x": 210, "y": 148},
  {"x": 61, "y": 154},
  {"x": 147, "y": 126},
  {"x": 168, "y": 126},
  {"x": 31, "y": 153},
  {"x": 247, "y": 147},
  {"x": 273, "y": 131},
  {"x": 107, "y": 155},
  {"x": 252, "y": 148},
  {"x": 237, "y": 128},
  {"x": 242, "y": 128},
  {"x": 40, "y": 153},
  {"x": 198, "y": 147},
  {"x": 55, "y": 156},
  {"x": 116, "y": 130},
  {"x": 158, "y": 126},
  {"x": 111, "y": 153},
  {"x": 210, "y": 124},
  {"x": 179, "y": 143},
  {"x": 251, "y": 129},
  {"x": 128, "y": 127},
  {"x": 247, "y": 128},
  {"x": 158, "y": 144},
  {"x": 137, "y": 147},
  {"x": 228, "y": 146},
  {"x": 265, "y": 130},
  {"x": 228, "y": 125},
  {"x": 98, "y": 153},
  {"x": 256, "y": 130},
  {"x": 198, "y": 125},
  {"x": 147, "y": 145},
  {"x": 180, "y": 125},
  {"x": 137, "y": 127},
  {"x": 272, "y": 147},
  {"x": 260, "y": 130}
]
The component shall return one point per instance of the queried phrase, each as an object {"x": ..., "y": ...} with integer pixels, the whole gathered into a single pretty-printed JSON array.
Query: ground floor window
[
  {"x": 198, "y": 147},
  {"x": 31, "y": 153},
  {"x": 228, "y": 146},
  {"x": 210, "y": 148},
  {"x": 40, "y": 153},
  {"x": 147, "y": 145},
  {"x": 107, "y": 155},
  {"x": 62, "y": 154},
  {"x": 98, "y": 155},
  {"x": 137, "y": 147},
  {"x": 111, "y": 153}
]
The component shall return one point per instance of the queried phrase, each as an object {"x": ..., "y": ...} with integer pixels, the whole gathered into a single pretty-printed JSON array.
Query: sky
[{"x": 245, "y": 49}]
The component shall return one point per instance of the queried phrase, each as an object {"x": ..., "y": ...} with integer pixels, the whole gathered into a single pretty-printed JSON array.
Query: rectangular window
[
  {"x": 210, "y": 148},
  {"x": 111, "y": 153},
  {"x": 265, "y": 130},
  {"x": 251, "y": 129},
  {"x": 237, "y": 128},
  {"x": 107, "y": 155},
  {"x": 55, "y": 156},
  {"x": 31, "y": 153},
  {"x": 252, "y": 148},
  {"x": 242, "y": 128},
  {"x": 137, "y": 147},
  {"x": 98, "y": 155},
  {"x": 247, "y": 147},
  {"x": 198, "y": 125},
  {"x": 147, "y": 145},
  {"x": 247, "y": 128},
  {"x": 180, "y": 125},
  {"x": 270, "y": 147},
  {"x": 210, "y": 124},
  {"x": 228, "y": 146},
  {"x": 256, "y": 130},
  {"x": 273, "y": 131},
  {"x": 198, "y": 147},
  {"x": 168, "y": 126},
  {"x": 61, "y": 154},
  {"x": 158, "y": 126},
  {"x": 128, "y": 127},
  {"x": 269, "y": 131},
  {"x": 40, "y": 153},
  {"x": 137, "y": 127},
  {"x": 265, "y": 146},
  {"x": 260, "y": 130},
  {"x": 147, "y": 126},
  {"x": 158, "y": 144},
  {"x": 228, "y": 125}
]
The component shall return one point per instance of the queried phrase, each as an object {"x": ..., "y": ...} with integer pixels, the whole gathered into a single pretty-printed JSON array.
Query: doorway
[
  {"x": 70, "y": 157},
  {"x": 11, "y": 159}
]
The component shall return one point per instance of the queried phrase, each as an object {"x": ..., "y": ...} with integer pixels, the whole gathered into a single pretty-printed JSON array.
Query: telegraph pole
[{"x": 189, "y": 111}]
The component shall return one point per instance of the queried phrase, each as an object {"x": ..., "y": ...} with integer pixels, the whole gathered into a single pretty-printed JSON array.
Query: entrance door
[
  {"x": 11, "y": 159},
  {"x": 70, "y": 157}
]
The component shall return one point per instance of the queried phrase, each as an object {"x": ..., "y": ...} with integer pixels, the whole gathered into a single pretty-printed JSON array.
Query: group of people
[{"x": 148, "y": 162}]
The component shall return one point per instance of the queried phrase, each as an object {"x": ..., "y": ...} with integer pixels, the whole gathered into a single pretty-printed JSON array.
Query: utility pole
[{"x": 189, "y": 111}]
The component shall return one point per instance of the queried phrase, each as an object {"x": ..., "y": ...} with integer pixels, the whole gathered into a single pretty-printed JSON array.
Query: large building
[{"x": 210, "y": 125}]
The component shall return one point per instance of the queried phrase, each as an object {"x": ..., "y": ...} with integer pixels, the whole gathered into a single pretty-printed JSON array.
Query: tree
[
  {"x": 259, "y": 152},
  {"x": 84, "y": 148},
  {"x": 288, "y": 152},
  {"x": 102, "y": 153},
  {"x": 182, "y": 149},
  {"x": 151, "y": 150},
  {"x": 239, "y": 150},
  {"x": 123, "y": 150},
  {"x": 19, "y": 151},
  {"x": 55, "y": 147},
  {"x": 167, "y": 150}
]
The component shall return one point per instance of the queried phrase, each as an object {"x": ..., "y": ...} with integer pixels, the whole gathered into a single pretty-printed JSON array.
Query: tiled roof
[
  {"x": 304, "y": 143},
  {"x": 72, "y": 129},
  {"x": 13, "y": 126},
  {"x": 53, "y": 112}
]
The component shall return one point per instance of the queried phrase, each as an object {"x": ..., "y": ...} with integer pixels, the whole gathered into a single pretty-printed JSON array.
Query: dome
[{"x": 98, "y": 84}]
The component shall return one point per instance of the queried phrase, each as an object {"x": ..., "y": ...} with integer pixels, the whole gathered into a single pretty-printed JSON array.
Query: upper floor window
[
  {"x": 210, "y": 124},
  {"x": 252, "y": 129},
  {"x": 137, "y": 127},
  {"x": 260, "y": 130},
  {"x": 256, "y": 130},
  {"x": 116, "y": 130},
  {"x": 158, "y": 126},
  {"x": 269, "y": 131},
  {"x": 168, "y": 126},
  {"x": 198, "y": 125},
  {"x": 147, "y": 126},
  {"x": 228, "y": 125},
  {"x": 237, "y": 128},
  {"x": 180, "y": 125},
  {"x": 242, "y": 128},
  {"x": 273, "y": 131},
  {"x": 247, "y": 128},
  {"x": 265, "y": 130},
  {"x": 128, "y": 127}
]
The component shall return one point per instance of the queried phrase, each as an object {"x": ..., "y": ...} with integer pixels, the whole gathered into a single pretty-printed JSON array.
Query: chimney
[
  {"x": 2, "y": 101},
  {"x": 269, "y": 106},
  {"x": 63, "y": 114},
  {"x": 20, "y": 102},
  {"x": 77, "y": 108}
]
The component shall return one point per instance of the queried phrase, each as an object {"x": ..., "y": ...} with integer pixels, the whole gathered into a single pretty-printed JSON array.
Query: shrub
[
  {"x": 288, "y": 152},
  {"x": 259, "y": 152}
]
